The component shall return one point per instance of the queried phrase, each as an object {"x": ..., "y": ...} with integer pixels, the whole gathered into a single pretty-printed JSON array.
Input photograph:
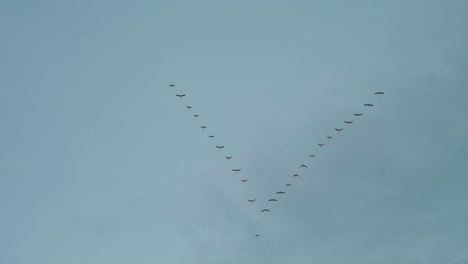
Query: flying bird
[
  {"x": 220, "y": 147},
  {"x": 180, "y": 95},
  {"x": 279, "y": 192},
  {"x": 288, "y": 185},
  {"x": 368, "y": 105},
  {"x": 348, "y": 122},
  {"x": 189, "y": 107},
  {"x": 338, "y": 129},
  {"x": 379, "y": 93},
  {"x": 321, "y": 145},
  {"x": 236, "y": 170},
  {"x": 272, "y": 200},
  {"x": 303, "y": 166},
  {"x": 196, "y": 116},
  {"x": 296, "y": 175},
  {"x": 171, "y": 85},
  {"x": 243, "y": 180},
  {"x": 228, "y": 157},
  {"x": 203, "y": 127},
  {"x": 211, "y": 136},
  {"x": 257, "y": 235},
  {"x": 311, "y": 155},
  {"x": 265, "y": 210},
  {"x": 253, "y": 200},
  {"x": 358, "y": 114}
]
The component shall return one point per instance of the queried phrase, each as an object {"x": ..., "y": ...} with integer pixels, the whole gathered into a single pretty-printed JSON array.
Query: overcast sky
[{"x": 100, "y": 162}]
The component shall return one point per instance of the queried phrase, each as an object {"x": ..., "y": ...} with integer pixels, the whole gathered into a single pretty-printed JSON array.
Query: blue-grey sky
[{"x": 101, "y": 163}]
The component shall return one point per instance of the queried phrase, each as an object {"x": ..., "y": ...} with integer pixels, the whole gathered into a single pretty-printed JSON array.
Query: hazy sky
[{"x": 100, "y": 162}]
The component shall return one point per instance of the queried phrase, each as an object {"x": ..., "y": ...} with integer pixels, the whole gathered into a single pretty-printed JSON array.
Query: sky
[{"x": 100, "y": 162}]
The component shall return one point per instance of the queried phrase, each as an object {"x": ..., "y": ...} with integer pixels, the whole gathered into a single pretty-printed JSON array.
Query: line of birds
[{"x": 302, "y": 166}]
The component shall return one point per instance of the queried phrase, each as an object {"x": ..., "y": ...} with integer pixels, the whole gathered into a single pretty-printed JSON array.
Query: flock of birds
[{"x": 302, "y": 166}]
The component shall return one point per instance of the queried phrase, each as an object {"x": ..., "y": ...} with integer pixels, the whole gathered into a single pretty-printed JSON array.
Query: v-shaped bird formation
[{"x": 236, "y": 170}]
